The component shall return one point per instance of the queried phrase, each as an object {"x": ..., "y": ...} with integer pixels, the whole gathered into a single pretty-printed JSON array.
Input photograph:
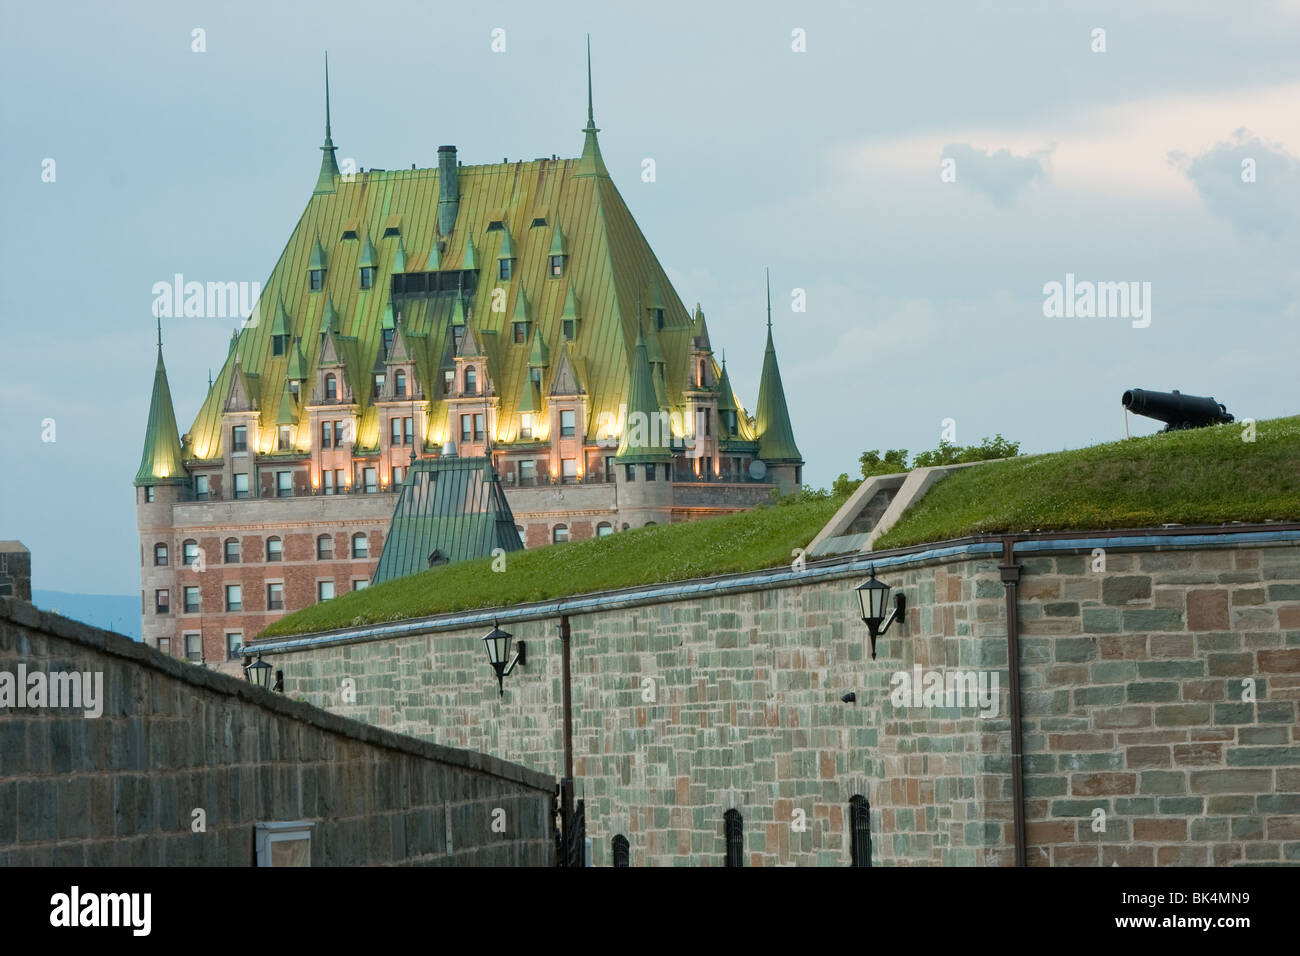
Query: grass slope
[
  {"x": 748, "y": 541},
  {"x": 1203, "y": 476}
]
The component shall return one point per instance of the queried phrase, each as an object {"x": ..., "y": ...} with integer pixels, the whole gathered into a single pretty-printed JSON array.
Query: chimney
[{"x": 448, "y": 190}]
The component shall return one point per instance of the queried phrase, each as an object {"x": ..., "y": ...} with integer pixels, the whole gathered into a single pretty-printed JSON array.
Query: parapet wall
[{"x": 174, "y": 744}]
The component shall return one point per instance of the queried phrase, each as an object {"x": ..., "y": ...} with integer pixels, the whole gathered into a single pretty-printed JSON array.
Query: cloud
[
  {"x": 1001, "y": 176},
  {"x": 1252, "y": 184}
]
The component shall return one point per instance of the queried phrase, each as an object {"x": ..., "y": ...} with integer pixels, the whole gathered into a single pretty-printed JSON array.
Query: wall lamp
[
  {"x": 258, "y": 673},
  {"x": 874, "y": 597},
  {"x": 497, "y": 642}
]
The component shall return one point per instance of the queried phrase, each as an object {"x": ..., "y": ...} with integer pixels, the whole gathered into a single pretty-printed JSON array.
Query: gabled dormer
[
  {"x": 399, "y": 257},
  {"x": 240, "y": 396},
  {"x": 700, "y": 376},
  {"x": 570, "y": 318},
  {"x": 471, "y": 254},
  {"x": 330, "y": 321},
  {"x": 520, "y": 319},
  {"x": 566, "y": 381},
  {"x": 369, "y": 264},
  {"x": 331, "y": 377},
  {"x": 558, "y": 257},
  {"x": 316, "y": 267},
  {"x": 401, "y": 383},
  {"x": 281, "y": 329},
  {"x": 539, "y": 358},
  {"x": 507, "y": 258},
  {"x": 296, "y": 373}
]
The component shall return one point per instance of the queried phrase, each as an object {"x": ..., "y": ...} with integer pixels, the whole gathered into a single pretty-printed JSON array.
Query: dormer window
[
  {"x": 379, "y": 385},
  {"x": 496, "y": 225},
  {"x": 279, "y": 343},
  {"x": 401, "y": 383},
  {"x": 557, "y": 266},
  {"x": 448, "y": 380},
  {"x": 570, "y": 327},
  {"x": 504, "y": 268},
  {"x": 535, "y": 374},
  {"x": 388, "y": 340},
  {"x": 285, "y": 439},
  {"x": 331, "y": 388},
  {"x": 471, "y": 381},
  {"x": 368, "y": 277},
  {"x": 539, "y": 221},
  {"x": 521, "y": 332},
  {"x": 526, "y": 425},
  {"x": 293, "y": 390},
  {"x": 457, "y": 333},
  {"x": 391, "y": 231},
  {"x": 658, "y": 316},
  {"x": 316, "y": 278}
]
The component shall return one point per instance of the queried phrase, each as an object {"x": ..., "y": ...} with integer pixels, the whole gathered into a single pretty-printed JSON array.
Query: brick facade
[{"x": 1132, "y": 695}]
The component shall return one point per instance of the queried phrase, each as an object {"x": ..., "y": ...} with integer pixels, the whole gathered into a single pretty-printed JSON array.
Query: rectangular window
[
  {"x": 234, "y": 645},
  {"x": 278, "y": 344},
  {"x": 324, "y": 590},
  {"x": 465, "y": 428},
  {"x": 399, "y": 474},
  {"x": 340, "y": 482},
  {"x": 326, "y": 435},
  {"x": 609, "y": 468},
  {"x": 160, "y": 555},
  {"x": 194, "y": 648},
  {"x": 284, "y": 484},
  {"x": 317, "y": 277},
  {"x": 327, "y": 481},
  {"x": 241, "y": 485},
  {"x": 708, "y": 421},
  {"x": 457, "y": 333},
  {"x": 274, "y": 550},
  {"x": 148, "y": 493},
  {"x": 567, "y": 423},
  {"x": 569, "y": 469},
  {"x": 379, "y": 385},
  {"x": 234, "y": 597},
  {"x": 478, "y": 427},
  {"x": 371, "y": 481},
  {"x": 367, "y": 277},
  {"x": 191, "y": 553},
  {"x": 568, "y": 329},
  {"x": 338, "y": 434},
  {"x": 528, "y": 473},
  {"x": 191, "y": 600},
  {"x": 408, "y": 431},
  {"x": 557, "y": 266},
  {"x": 448, "y": 380},
  {"x": 239, "y": 438},
  {"x": 526, "y": 425},
  {"x": 275, "y": 596},
  {"x": 165, "y": 645},
  {"x": 630, "y": 472},
  {"x": 360, "y": 584},
  {"x": 162, "y": 602},
  {"x": 650, "y": 472},
  {"x": 521, "y": 332},
  {"x": 504, "y": 267},
  {"x": 395, "y": 431},
  {"x": 201, "y": 487}
]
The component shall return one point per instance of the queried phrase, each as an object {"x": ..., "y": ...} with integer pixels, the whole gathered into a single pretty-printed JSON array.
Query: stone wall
[
  {"x": 1132, "y": 706},
  {"x": 15, "y": 570},
  {"x": 122, "y": 788}
]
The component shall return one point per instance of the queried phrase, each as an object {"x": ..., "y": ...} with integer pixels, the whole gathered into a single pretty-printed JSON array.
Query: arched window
[
  {"x": 191, "y": 548},
  {"x": 604, "y": 529},
  {"x": 622, "y": 851},
  {"x": 401, "y": 383},
  {"x": 733, "y": 826},
  {"x": 471, "y": 381},
  {"x": 324, "y": 547},
  {"x": 561, "y": 533},
  {"x": 701, "y": 381},
  {"x": 859, "y": 830},
  {"x": 274, "y": 549},
  {"x": 232, "y": 551},
  {"x": 360, "y": 545},
  {"x": 160, "y": 555},
  {"x": 331, "y": 388}
]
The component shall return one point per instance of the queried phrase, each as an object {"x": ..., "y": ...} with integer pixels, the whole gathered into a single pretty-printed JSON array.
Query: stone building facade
[
  {"x": 513, "y": 309},
  {"x": 175, "y": 746},
  {"x": 1159, "y": 692}
]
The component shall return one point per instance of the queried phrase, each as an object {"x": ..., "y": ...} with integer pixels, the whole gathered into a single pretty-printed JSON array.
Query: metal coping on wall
[{"x": 977, "y": 546}]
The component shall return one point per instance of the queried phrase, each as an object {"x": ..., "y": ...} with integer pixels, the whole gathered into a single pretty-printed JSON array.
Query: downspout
[
  {"x": 568, "y": 696},
  {"x": 1011, "y": 579}
]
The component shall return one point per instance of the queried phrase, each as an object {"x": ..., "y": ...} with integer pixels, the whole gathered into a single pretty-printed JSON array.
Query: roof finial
[
  {"x": 328, "y": 142},
  {"x": 591, "y": 116},
  {"x": 768, "y": 272},
  {"x": 159, "y": 333}
]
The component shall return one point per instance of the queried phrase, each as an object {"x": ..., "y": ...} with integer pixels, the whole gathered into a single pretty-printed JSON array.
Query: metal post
[{"x": 1011, "y": 579}]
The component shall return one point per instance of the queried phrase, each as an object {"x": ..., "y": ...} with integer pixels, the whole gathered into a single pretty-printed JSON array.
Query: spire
[
  {"x": 329, "y": 167},
  {"x": 539, "y": 356},
  {"x": 768, "y": 274},
  {"x": 772, "y": 417},
  {"x": 701, "y": 331},
  {"x": 591, "y": 163},
  {"x": 162, "y": 461},
  {"x": 643, "y": 437}
]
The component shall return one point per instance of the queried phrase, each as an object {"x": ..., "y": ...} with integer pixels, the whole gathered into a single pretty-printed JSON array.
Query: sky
[{"x": 914, "y": 175}]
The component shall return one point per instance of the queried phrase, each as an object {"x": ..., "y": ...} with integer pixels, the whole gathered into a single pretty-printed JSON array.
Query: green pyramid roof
[
  {"x": 557, "y": 242},
  {"x": 330, "y": 318},
  {"x": 282, "y": 325},
  {"x": 369, "y": 256},
  {"x": 531, "y": 398},
  {"x": 592, "y": 164},
  {"x": 570, "y": 310},
  {"x": 471, "y": 254},
  {"x": 701, "y": 330},
  {"x": 435, "y": 258},
  {"x": 507, "y": 245},
  {"x": 450, "y": 507},
  {"x": 297, "y": 371},
  {"x": 539, "y": 356},
  {"x": 329, "y": 167},
  {"x": 317, "y": 260},
  {"x": 772, "y": 418},
  {"x": 726, "y": 398},
  {"x": 161, "y": 462},
  {"x": 521, "y": 306},
  {"x": 288, "y": 414},
  {"x": 642, "y": 438},
  {"x": 399, "y": 257}
]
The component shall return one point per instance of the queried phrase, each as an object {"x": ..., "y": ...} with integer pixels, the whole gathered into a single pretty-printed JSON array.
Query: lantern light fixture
[
  {"x": 497, "y": 643},
  {"x": 258, "y": 673},
  {"x": 873, "y": 595}
]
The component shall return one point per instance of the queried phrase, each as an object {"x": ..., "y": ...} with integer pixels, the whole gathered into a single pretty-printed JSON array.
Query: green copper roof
[
  {"x": 287, "y": 414},
  {"x": 521, "y": 306},
  {"x": 369, "y": 257},
  {"x": 282, "y": 324},
  {"x": 330, "y": 317},
  {"x": 531, "y": 399},
  {"x": 399, "y": 257},
  {"x": 297, "y": 370},
  {"x": 772, "y": 418},
  {"x": 507, "y": 245},
  {"x": 609, "y": 265},
  {"x": 726, "y": 398},
  {"x": 317, "y": 260},
  {"x": 642, "y": 438},
  {"x": 701, "y": 330},
  {"x": 557, "y": 242},
  {"x": 449, "y": 509},
  {"x": 434, "y": 261},
  {"x": 592, "y": 164},
  {"x": 161, "y": 462}
]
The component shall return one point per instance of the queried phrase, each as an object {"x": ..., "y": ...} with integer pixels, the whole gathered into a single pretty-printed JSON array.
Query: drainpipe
[
  {"x": 568, "y": 697},
  {"x": 1011, "y": 579}
]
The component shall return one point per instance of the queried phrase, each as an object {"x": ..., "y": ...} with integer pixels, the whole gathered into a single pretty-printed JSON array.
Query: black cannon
[{"x": 1175, "y": 409}]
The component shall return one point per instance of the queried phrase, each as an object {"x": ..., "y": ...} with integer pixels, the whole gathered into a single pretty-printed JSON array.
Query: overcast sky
[{"x": 924, "y": 296}]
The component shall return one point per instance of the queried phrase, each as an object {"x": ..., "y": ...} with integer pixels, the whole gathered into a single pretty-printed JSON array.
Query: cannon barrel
[{"x": 1175, "y": 409}]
